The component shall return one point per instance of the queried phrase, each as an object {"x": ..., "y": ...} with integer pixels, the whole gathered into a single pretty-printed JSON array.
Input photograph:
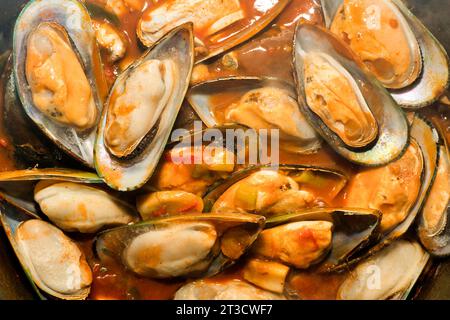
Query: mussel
[
  {"x": 31, "y": 147},
  {"x": 258, "y": 103},
  {"x": 52, "y": 261},
  {"x": 401, "y": 187},
  {"x": 218, "y": 24},
  {"x": 59, "y": 74},
  {"x": 395, "y": 189},
  {"x": 326, "y": 237},
  {"x": 190, "y": 245},
  {"x": 270, "y": 192},
  {"x": 343, "y": 102},
  {"x": 110, "y": 39},
  {"x": 434, "y": 224},
  {"x": 394, "y": 45},
  {"x": 269, "y": 275},
  {"x": 68, "y": 198},
  {"x": 389, "y": 274},
  {"x": 234, "y": 289},
  {"x": 171, "y": 202},
  {"x": 136, "y": 123}
]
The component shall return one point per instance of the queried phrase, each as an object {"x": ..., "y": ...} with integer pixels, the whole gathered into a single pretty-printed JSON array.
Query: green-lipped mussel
[
  {"x": 136, "y": 123},
  {"x": 72, "y": 200},
  {"x": 258, "y": 103},
  {"x": 343, "y": 102},
  {"x": 275, "y": 191},
  {"x": 53, "y": 262},
  {"x": 190, "y": 245},
  {"x": 59, "y": 74},
  {"x": 394, "y": 45},
  {"x": 212, "y": 18}
]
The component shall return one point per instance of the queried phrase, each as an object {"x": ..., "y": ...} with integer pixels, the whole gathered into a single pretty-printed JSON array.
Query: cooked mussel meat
[
  {"x": 210, "y": 16},
  {"x": 79, "y": 207},
  {"x": 382, "y": 38},
  {"x": 274, "y": 192},
  {"x": 389, "y": 274},
  {"x": 58, "y": 84},
  {"x": 54, "y": 264},
  {"x": 139, "y": 114},
  {"x": 258, "y": 103},
  {"x": 343, "y": 102},
  {"x": 72, "y": 200},
  {"x": 218, "y": 24},
  {"x": 54, "y": 261},
  {"x": 392, "y": 189},
  {"x": 58, "y": 71},
  {"x": 110, "y": 39},
  {"x": 394, "y": 45},
  {"x": 134, "y": 112},
  {"x": 434, "y": 221},
  {"x": 223, "y": 290},
  {"x": 326, "y": 237},
  {"x": 163, "y": 203},
  {"x": 189, "y": 245},
  {"x": 298, "y": 244},
  {"x": 334, "y": 96}
]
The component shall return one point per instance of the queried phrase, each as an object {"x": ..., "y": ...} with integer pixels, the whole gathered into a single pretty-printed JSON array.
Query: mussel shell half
[
  {"x": 353, "y": 229},
  {"x": 204, "y": 98},
  {"x": 225, "y": 41},
  {"x": 199, "y": 95},
  {"x": 19, "y": 184},
  {"x": 113, "y": 243},
  {"x": 105, "y": 209},
  {"x": 218, "y": 189},
  {"x": 50, "y": 174},
  {"x": 11, "y": 217},
  {"x": 434, "y": 223},
  {"x": 392, "y": 124},
  {"x": 426, "y": 137},
  {"x": 234, "y": 289},
  {"x": 434, "y": 78},
  {"x": 389, "y": 274},
  {"x": 31, "y": 147},
  {"x": 74, "y": 18},
  {"x": 129, "y": 174}
]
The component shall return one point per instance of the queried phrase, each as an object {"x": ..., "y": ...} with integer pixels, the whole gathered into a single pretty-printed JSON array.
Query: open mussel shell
[
  {"x": 70, "y": 21},
  {"x": 72, "y": 200},
  {"x": 389, "y": 274},
  {"x": 335, "y": 177},
  {"x": 434, "y": 224},
  {"x": 353, "y": 229},
  {"x": 31, "y": 147},
  {"x": 392, "y": 126},
  {"x": 132, "y": 170},
  {"x": 190, "y": 245},
  {"x": 233, "y": 289},
  {"x": 201, "y": 95},
  {"x": 19, "y": 184},
  {"x": 433, "y": 79},
  {"x": 52, "y": 262},
  {"x": 426, "y": 137},
  {"x": 231, "y": 33},
  {"x": 264, "y": 102}
]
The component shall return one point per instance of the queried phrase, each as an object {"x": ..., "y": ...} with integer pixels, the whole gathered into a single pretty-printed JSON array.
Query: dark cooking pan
[{"x": 436, "y": 285}]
